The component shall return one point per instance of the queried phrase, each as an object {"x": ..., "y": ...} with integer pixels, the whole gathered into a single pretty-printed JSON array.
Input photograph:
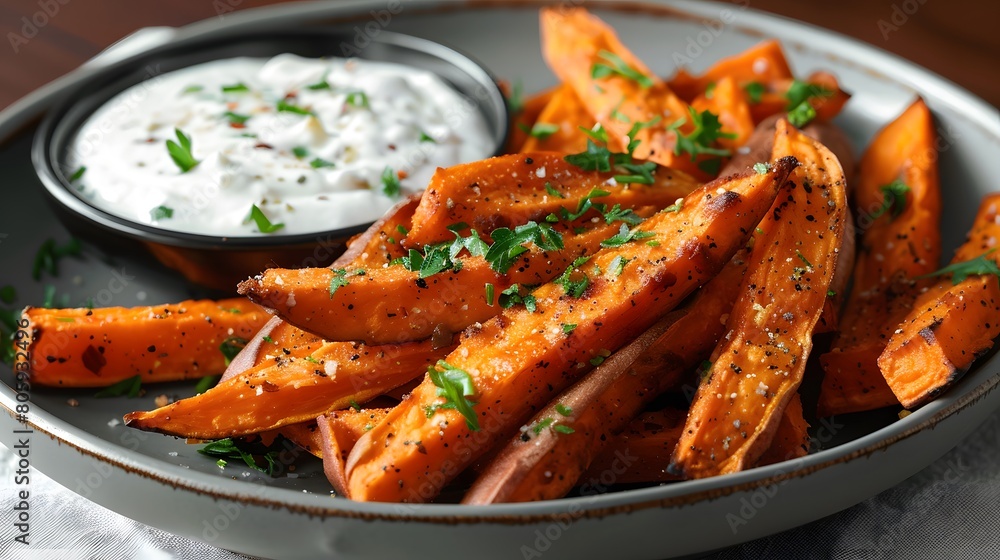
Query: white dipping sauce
[{"x": 311, "y": 172}]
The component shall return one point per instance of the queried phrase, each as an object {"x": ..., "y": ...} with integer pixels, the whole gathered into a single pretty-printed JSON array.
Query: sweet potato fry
[
  {"x": 376, "y": 246},
  {"x": 523, "y": 120},
  {"x": 791, "y": 438},
  {"x": 758, "y": 366},
  {"x": 275, "y": 334},
  {"x": 380, "y": 243},
  {"x": 339, "y": 431},
  {"x": 615, "y": 86},
  {"x": 758, "y": 149},
  {"x": 951, "y": 324},
  {"x": 511, "y": 190},
  {"x": 775, "y": 98},
  {"x": 729, "y": 103},
  {"x": 606, "y": 399},
  {"x": 393, "y": 304},
  {"x": 900, "y": 241},
  {"x": 557, "y": 128},
  {"x": 99, "y": 347},
  {"x": 304, "y": 434},
  {"x": 515, "y": 362},
  {"x": 763, "y": 63},
  {"x": 639, "y": 454},
  {"x": 290, "y": 391}
]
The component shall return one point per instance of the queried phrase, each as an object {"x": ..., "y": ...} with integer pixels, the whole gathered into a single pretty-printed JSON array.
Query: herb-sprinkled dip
[{"x": 288, "y": 145}]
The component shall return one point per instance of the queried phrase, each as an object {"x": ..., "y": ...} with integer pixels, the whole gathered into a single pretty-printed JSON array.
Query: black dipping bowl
[{"x": 221, "y": 262}]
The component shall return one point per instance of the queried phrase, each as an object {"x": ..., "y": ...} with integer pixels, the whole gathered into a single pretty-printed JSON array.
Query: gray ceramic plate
[{"x": 163, "y": 482}]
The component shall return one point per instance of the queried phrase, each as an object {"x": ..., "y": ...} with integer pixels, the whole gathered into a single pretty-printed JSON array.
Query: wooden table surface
[{"x": 958, "y": 39}]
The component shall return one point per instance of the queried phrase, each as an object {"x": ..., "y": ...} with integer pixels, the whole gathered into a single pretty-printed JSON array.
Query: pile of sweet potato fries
[{"x": 517, "y": 320}]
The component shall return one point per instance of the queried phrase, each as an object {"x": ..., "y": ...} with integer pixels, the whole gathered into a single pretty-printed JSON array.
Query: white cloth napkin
[{"x": 951, "y": 509}]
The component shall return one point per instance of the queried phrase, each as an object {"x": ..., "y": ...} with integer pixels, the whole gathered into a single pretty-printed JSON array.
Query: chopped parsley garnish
[
  {"x": 563, "y": 410},
  {"x": 264, "y": 224},
  {"x": 78, "y": 174},
  {"x": 800, "y": 110},
  {"x": 710, "y": 90},
  {"x": 424, "y": 137},
  {"x": 322, "y": 84},
  {"x": 893, "y": 199},
  {"x": 300, "y": 151},
  {"x": 542, "y": 424},
  {"x": 626, "y": 235},
  {"x": 236, "y": 118},
  {"x": 563, "y": 429},
  {"x": 762, "y": 167},
  {"x": 802, "y": 114},
  {"x": 830, "y": 293},
  {"x": 803, "y": 258},
  {"x": 703, "y": 369},
  {"x": 675, "y": 207},
  {"x": 319, "y": 163},
  {"x": 455, "y": 385},
  {"x": 48, "y": 255},
  {"x": 390, "y": 182},
  {"x": 231, "y": 346},
  {"x": 600, "y": 357},
  {"x": 585, "y": 204},
  {"x": 979, "y": 266},
  {"x": 235, "y": 88},
  {"x": 653, "y": 243},
  {"x": 476, "y": 246},
  {"x": 641, "y": 173},
  {"x": 354, "y": 404},
  {"x": 205, "y": 383},
  {"x": 611, "y": 64},
  {"x": 161, "y": 212},
  {"x": 338, "y": 281},
  {"x": 130, "y": 388},
  {"x": 192, "y": 89},
  {"x": 402, "y": 229},
  {"x": 573, "y": 281},
  {"x": 512, "y": 296},
  {"x": 551, "y": 190},
  {"x": 598, "y": 157},
  {"x": 617, "y": 266},
  {"x": 228, "y": 449},
  {"x": 515, "y": 102},
  {"x": 222, "y": 463},
  {"x": 568, "y": 327},
  {"x": 540, "y": 130},
  {"x": 49, "y": 297},
  {"x": 754, "y": 91},
  {"x": 489, "y": 294},
  {"x": 311, "y": 360},
  {"x": 633, "y": 143},
  {"x": 597, "y": 133},
  {"x": 435, "y": 259},
  {"x": 284, "y": 106},
  {"x": 508, "y": 245},
  {"x": 707, "y": 131},
  {"x": 358, "y": 99},
  {"x": 180, "y": 152}
]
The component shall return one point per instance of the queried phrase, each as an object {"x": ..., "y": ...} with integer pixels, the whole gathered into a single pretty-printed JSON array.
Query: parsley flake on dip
[{"x": 287, "y": 145}]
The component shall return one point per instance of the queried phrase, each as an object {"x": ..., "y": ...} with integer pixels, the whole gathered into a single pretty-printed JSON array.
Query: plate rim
[{"x": 891, "y": 68}]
